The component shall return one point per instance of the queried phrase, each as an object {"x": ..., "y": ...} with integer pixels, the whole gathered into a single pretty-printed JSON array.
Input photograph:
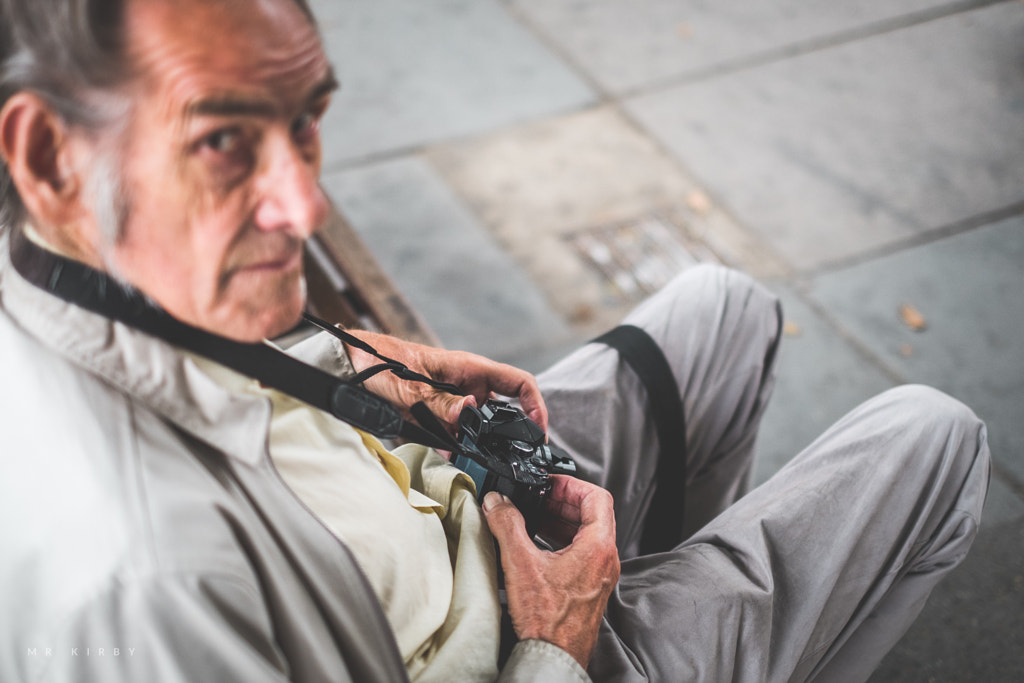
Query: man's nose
[{"x": 290, "y": 194}]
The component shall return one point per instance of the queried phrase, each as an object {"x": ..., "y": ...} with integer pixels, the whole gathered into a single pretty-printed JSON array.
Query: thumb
[
  {"x": 506, "y": 522},
  {"x": 448, "y": 407}
]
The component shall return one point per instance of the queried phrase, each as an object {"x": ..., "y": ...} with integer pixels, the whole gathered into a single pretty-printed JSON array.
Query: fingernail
[{"x": 494, "y": 498}]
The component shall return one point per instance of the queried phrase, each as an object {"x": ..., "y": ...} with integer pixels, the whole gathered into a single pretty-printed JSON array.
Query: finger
[
  {"x": 562, "y": 503},
  {"x": 575, "y": 500},
  {"x": 558, "y": 532},
  {"x": 569, "y": 490},
  {"x": 533, "y": 405},
  {"x": 511, "y": 381},
  {"x": 445, "y": 408},
  {"x": 448, "y": 407},
  {"x": 507, "y": 525},
  {"x": 531, "y": 400},
  {"x": 597, "y": 512}
]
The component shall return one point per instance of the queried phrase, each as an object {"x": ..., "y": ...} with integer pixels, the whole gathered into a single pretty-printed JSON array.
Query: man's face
[{"x": 221, "y": 161}]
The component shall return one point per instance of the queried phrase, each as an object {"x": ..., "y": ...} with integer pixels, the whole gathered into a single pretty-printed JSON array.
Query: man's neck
[
  {"x": 55, "y": 241},
  {"x": 37, "y": 238}
]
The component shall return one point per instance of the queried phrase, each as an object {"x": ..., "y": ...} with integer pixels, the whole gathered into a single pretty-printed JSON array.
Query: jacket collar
[{"x": 145, "y": 368}]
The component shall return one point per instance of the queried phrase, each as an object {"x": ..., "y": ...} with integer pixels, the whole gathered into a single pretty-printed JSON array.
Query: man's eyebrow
[
  {"x": 325, "y": 87},
  {"x": 235, "y": 105},
  {"x": 231, "y": 105}
]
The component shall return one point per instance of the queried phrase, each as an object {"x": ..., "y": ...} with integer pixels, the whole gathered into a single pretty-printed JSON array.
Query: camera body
[{"x": 503, "y": 450}]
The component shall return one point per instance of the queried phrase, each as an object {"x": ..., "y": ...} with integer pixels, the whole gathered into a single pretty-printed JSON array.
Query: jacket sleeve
[
  {"x": 325, "y": 352},
  {"x": 168, "y": 629},
  {"x": 536, "y": 660}
]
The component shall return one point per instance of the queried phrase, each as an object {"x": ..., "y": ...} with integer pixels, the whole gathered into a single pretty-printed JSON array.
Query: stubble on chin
[{"x": 262, "y": 310}]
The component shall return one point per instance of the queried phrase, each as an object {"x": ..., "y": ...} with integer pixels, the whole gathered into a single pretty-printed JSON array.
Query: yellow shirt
[{"x": 412, "y": 522}]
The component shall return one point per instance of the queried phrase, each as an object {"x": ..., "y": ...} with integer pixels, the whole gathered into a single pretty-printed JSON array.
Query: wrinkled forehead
[{"x": 184, "y": 50}]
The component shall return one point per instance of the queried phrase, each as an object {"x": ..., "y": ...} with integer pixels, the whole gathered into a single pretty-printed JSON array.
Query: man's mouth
[{"x": 276, "y": 263}]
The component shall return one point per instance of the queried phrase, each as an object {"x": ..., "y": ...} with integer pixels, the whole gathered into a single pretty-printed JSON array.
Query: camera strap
[
  {"x": 93, "y": 290},
  {"x": 663, "y": 526}
]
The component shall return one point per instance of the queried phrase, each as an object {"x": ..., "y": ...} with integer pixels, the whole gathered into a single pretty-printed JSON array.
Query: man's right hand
[
  {"x": 477, "y": 376},
  {"x": 560, "y": 596}
]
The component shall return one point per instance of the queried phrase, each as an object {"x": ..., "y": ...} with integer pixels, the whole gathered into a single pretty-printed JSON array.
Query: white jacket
[{"x": 144, "y": 533}]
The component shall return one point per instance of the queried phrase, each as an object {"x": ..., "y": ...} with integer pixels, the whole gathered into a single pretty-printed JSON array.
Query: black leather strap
[
  {"x": 96, "y": 291},
  {"x": 663, "y": 526}
]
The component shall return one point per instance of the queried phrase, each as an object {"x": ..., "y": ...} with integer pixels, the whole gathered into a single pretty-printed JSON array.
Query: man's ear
[{"x": 34, "y": 142}]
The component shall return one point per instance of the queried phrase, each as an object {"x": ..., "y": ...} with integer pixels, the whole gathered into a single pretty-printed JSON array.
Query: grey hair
[
  {"x": 62, "y": 50},
  {"x": 72, "y": 54},
  {"x": 109, "y": 197}
]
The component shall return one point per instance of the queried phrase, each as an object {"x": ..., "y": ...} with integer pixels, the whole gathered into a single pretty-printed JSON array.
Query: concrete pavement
[{"x": 526, "y": 170}]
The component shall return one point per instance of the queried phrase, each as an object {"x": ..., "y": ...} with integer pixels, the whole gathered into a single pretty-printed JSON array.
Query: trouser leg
[
  {"x": 718, "y": 330},
  {"x": 815, "y": 574}
]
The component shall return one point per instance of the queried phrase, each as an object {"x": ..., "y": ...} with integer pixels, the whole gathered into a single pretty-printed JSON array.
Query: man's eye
[
  {"x": 223, "y": 141},
  {"x": 227, "y": 153},
  {"x": 306, "y": 126}
]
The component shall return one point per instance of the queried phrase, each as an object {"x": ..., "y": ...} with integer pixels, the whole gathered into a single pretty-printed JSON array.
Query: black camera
[{"x": 503, "y": 450}]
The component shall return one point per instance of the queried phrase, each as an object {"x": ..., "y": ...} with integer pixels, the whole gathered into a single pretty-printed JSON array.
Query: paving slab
[
  {"x": 541, "y": 187},
  {"x": 819, "y": 378},
  {"x": 469, "y": 292},
  {"x": 967, "y": 289},
  {"x": 420, "y": 71},
  {"x": 855, "y": 148},
  {"x": 629, "y": 45}
]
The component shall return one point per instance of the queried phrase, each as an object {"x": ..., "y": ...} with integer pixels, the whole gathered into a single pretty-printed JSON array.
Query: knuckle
[{"x": 604, "y": 497}]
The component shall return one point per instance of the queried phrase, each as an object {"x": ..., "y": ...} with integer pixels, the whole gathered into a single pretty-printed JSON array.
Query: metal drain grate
[{"x": 637, "y": 258}]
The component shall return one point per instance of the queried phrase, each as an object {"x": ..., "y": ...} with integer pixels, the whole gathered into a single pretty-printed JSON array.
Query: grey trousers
[{"x": 812, "y": 576}]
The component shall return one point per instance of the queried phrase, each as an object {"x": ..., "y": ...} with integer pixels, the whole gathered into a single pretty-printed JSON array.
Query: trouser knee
[
  {"x": 711, "y": 293},
  {"x": 948, "y": 440},
  {"x": 932, "y": 410}
]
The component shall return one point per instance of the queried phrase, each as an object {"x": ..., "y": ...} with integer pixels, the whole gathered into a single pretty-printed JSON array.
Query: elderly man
[{"x": 168, "y": 518}]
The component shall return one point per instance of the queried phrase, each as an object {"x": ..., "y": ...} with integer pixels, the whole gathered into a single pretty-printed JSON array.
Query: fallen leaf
[
  {"x": 913, "y": 318},
  {"x": 791, "y": 329},
  {"x": 699, "y": 203}
]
